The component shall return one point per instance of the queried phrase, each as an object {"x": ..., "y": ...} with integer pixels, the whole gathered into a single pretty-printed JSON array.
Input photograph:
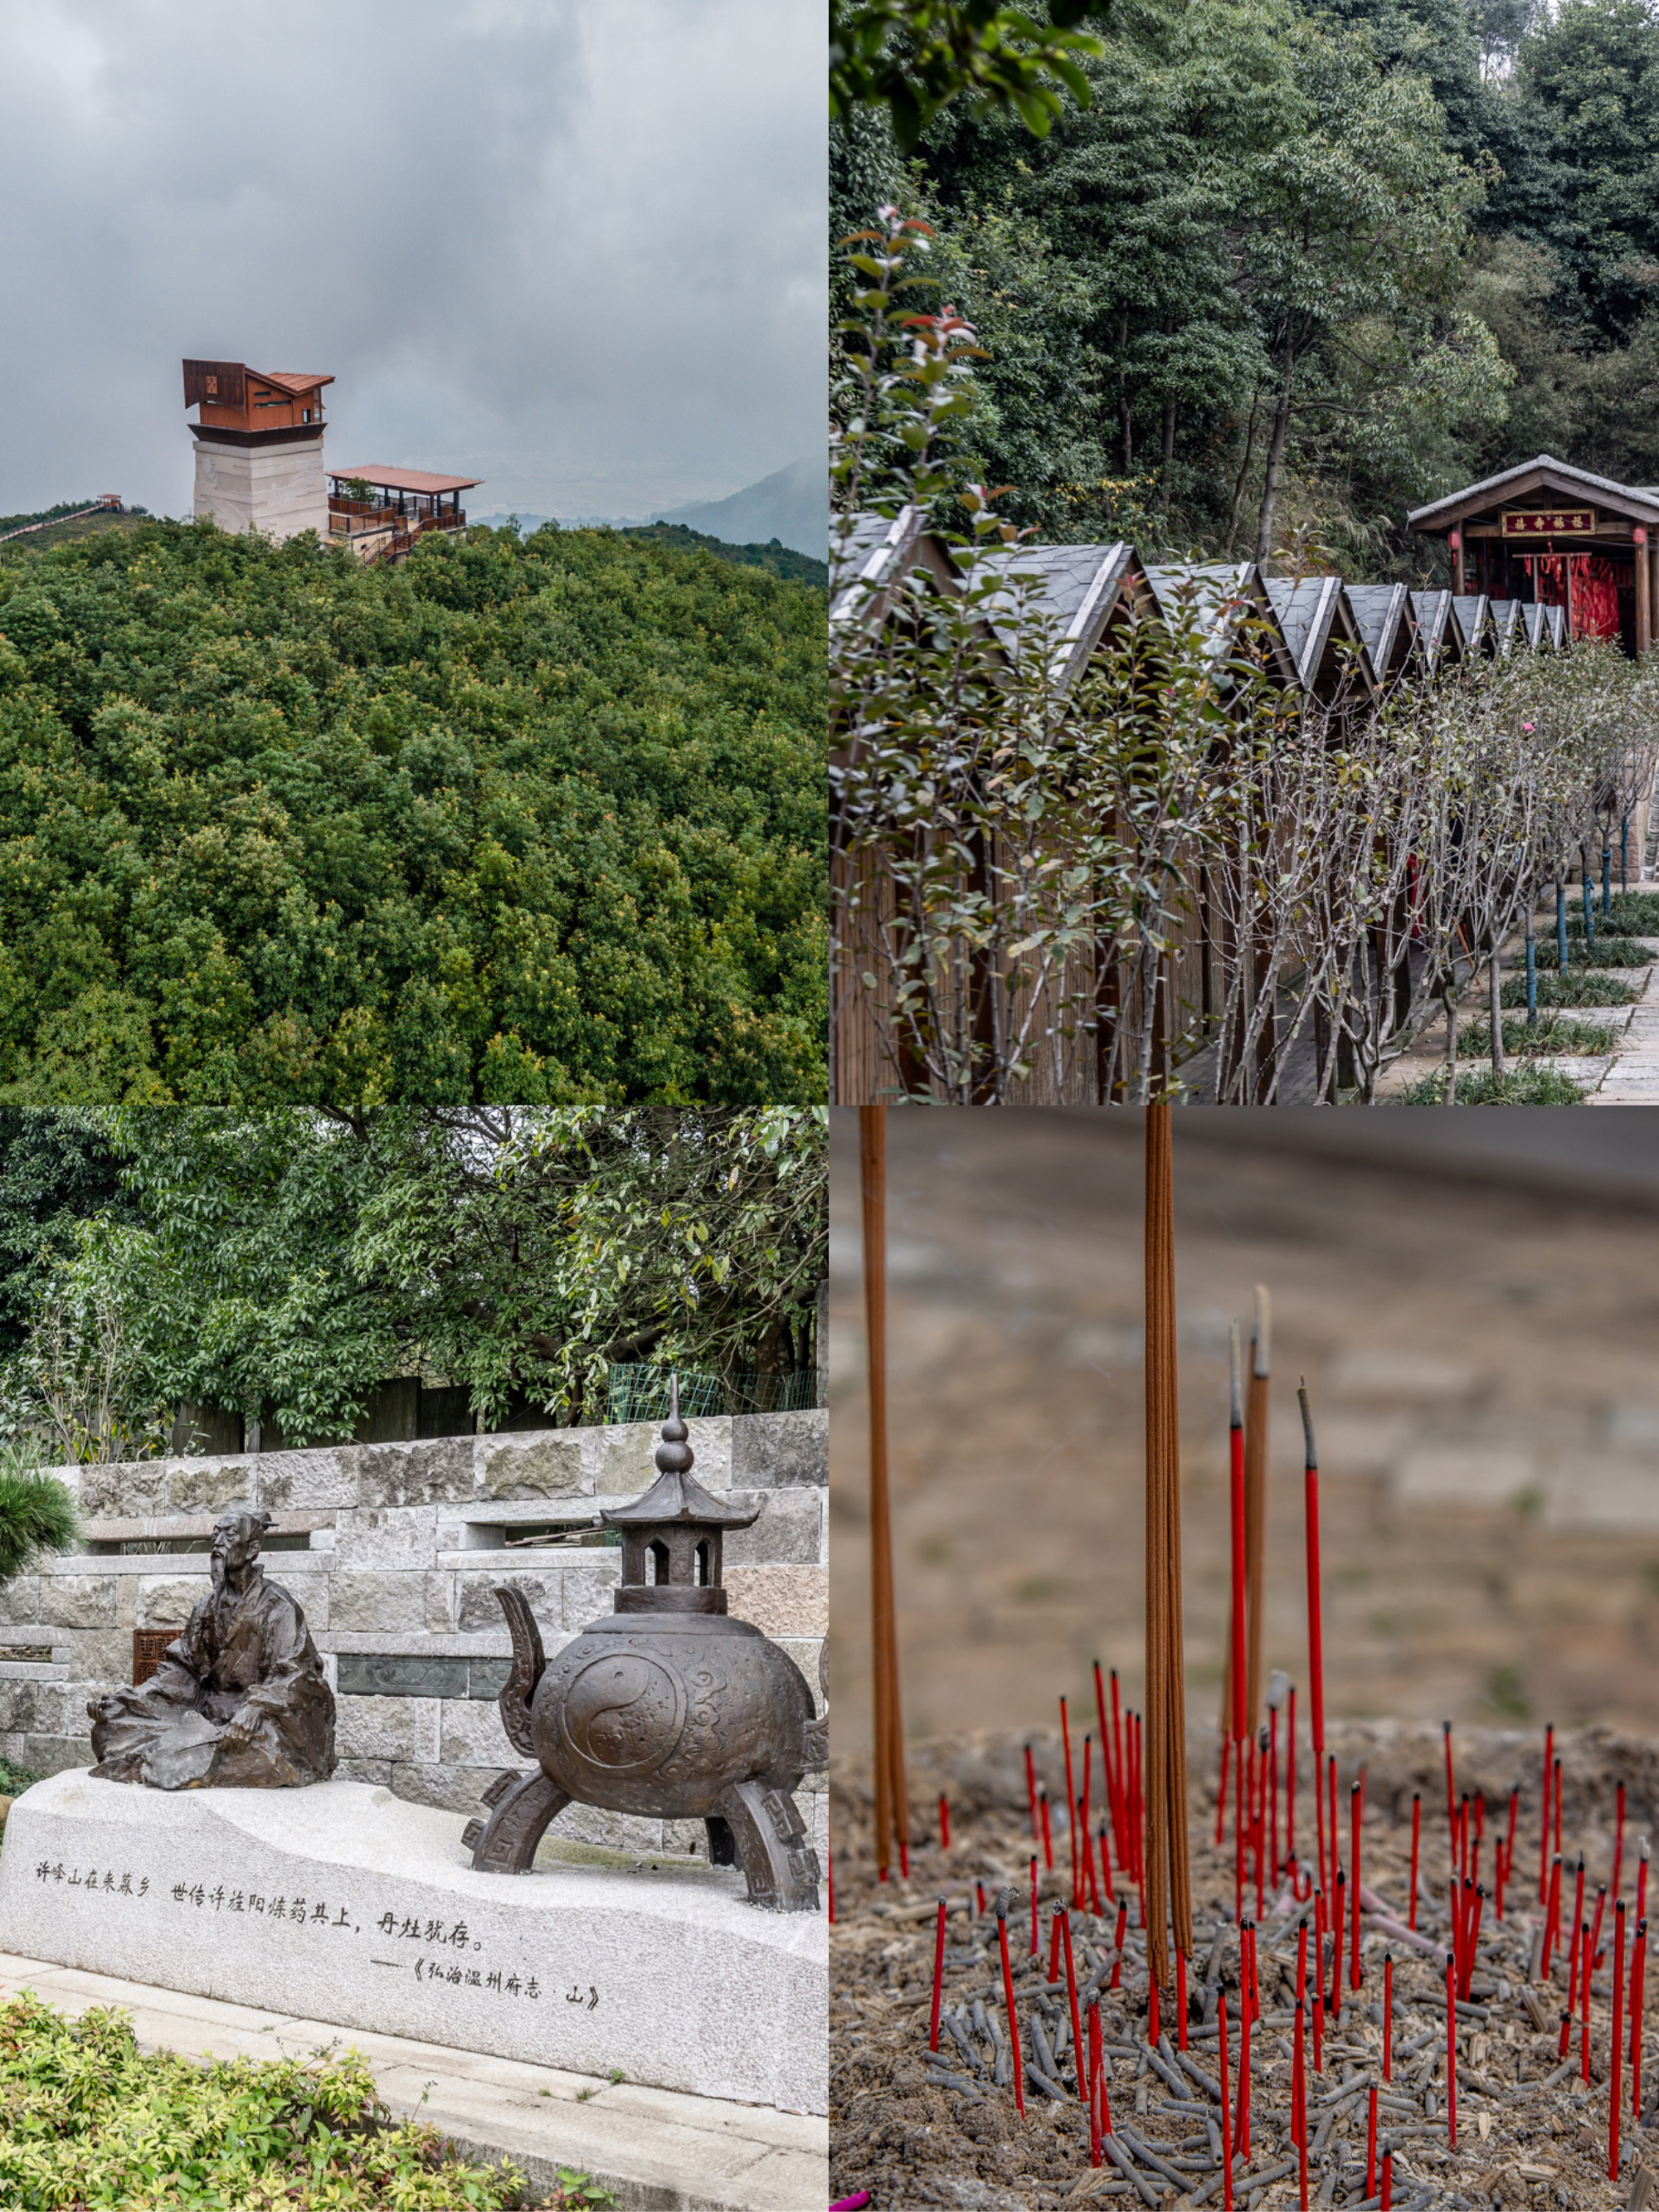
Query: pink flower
[{"x": 1526, "y": 726}]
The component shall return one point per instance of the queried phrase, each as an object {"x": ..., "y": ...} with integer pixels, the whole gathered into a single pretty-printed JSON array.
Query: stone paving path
[{"x": 1631, "y": 1078}]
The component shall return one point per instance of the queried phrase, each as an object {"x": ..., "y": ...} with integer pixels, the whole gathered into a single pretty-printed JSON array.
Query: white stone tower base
[{"x": 276, "y": 489}]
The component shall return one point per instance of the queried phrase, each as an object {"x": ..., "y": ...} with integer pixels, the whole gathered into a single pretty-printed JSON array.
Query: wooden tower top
[{"x": 233, "y": 396}]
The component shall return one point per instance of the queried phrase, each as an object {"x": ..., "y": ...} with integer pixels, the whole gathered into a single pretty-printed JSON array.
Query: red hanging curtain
[{"x": 1595, "y": 583}]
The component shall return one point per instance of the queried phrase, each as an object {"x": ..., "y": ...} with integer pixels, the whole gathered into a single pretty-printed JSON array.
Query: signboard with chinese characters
[
  {"x": 1549, "y": 522},
  {"x": 338, "y": 1902}
]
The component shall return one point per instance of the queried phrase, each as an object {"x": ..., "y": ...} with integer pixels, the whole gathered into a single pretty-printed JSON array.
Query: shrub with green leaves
[
  {"x": 87, "y": 2119},
  {"x": 1606, "y": 952},
  {"x": 540, "y": 821},
  {"x": 1578, "y": 986},
  {"x": 37, "y": 1514},
  {"x": 1553, "y": 1035},
  {"x": 1520, "y": 1086},
  {"x": 1633, "y": 914}
]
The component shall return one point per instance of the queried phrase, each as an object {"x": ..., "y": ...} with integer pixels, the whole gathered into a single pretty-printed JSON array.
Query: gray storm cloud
[{"x": 574, "y": 248}]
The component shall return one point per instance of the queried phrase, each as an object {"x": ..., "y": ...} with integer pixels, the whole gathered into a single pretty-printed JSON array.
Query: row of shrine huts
[{"x": 1337, "y": 646}]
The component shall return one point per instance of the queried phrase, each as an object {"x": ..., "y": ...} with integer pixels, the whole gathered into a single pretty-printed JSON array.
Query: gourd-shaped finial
[{"x": 674, "y": 1454}]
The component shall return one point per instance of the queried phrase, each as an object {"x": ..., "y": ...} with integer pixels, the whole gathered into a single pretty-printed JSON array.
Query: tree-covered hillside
[
  {"x": 1299, "y": 265},
  {"x": 530, "y": 821}
]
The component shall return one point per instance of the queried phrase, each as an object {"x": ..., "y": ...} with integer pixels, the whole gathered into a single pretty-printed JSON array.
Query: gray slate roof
[{"x": 1419, "y": 515}]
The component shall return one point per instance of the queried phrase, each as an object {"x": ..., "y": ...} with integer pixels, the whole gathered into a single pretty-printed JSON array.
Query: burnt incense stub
[{"x": 669, "y": 1707}]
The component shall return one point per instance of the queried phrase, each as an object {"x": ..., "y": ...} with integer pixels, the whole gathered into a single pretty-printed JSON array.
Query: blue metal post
[
  {"x": 1590, "y": 916},
  {"x": 1532, "y": 976},
  {"x": 1561, "y": 927}
]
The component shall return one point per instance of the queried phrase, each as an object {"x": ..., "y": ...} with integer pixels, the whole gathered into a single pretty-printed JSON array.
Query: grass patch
[
  {"x": 1550, "y": 1034},
  {"x": 1634, "y": 913},
  {"x": 1606, "y": 952},
  {"x": 1520, "y": 1086},
  {"x": 1578, "y": 986},
  {"x": 91, "y": 2120}
]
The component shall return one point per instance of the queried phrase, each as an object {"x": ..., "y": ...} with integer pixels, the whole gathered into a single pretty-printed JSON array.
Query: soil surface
[{"x": 1530, "y": 2130}]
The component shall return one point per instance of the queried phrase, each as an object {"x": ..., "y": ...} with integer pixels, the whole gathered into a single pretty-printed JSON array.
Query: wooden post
[
  {"x": 1456, "y": 543},
  {"x": 1644, "y": 600}
]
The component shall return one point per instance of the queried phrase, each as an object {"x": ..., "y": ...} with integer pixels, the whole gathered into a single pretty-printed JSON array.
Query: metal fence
[{"x": 641, "y": 1394}]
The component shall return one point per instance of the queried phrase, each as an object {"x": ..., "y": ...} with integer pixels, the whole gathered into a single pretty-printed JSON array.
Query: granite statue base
[{"x": 344, "y": 1904}]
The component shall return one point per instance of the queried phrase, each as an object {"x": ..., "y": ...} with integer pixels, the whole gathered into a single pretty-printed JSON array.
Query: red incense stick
[
  {"x": 1315, "y": 1644},
  {"x": 1338, "y": 1919},
  {"x": 1048, "y": 1837},
  {"x": 1235, "y": 1478},
  {"x": 1355, "y": 1813},
  {"x": 939, "y": 1976},
  {"x": 1008, "y": 2002},
  {"x": 1097, "y": 2084},
  {"x": 1386, "y": 2201},
  {"x": 1071, "y": 1797},
  {"x": 944, "y": 1823},
  {"x": 1242, "y": 2130},
  {"x": 1180, "y": 1998},
  {"x": 1072, "y": 1998},
  {"x": 1551, "y": 1916},
  {"x": 1638, "y": 1978},
  {"x": 1299, "y": 2104},
  {"x": 1451, "y": 1797},
  {"x": 1226, "y": 2126},
  {"x": 1584, "y": 1982},
  {"x": 1037, "y": 1941},
  {"x": 1558, "y": 1804},
  {"x": 1371, "y": 2143},
  {"x": 1544, "y": 1814},
  {"x": 1388, "y": 2018},
  {"x": 1290, "y": 1779},
  {"x": 1615, "y": 2085},
  {"x": 1451, "y": 2050},
  {"x": 1417, "y": 1827},
  {"x": 1106, "y": 1865},
  {"x": 1594, "y": 1955},
  {"x": 1619, "y": 1837},
  {"x": 1319, "y": 1982}
]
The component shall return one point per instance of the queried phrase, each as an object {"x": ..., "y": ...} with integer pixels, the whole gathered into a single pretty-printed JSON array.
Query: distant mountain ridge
[{"x": 791, "y": 505}]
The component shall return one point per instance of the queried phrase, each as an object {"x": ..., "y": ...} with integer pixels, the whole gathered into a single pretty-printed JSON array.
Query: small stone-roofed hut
[
  {"x": 869, "y": 558},
  {"x": 1388, "y": 626},
  {"x": 1440, "y": 631},
  {"x": 1322, "y": 633},
  {"x": 1087, "y": 592},
  {"x": 1474, "y": 613}
]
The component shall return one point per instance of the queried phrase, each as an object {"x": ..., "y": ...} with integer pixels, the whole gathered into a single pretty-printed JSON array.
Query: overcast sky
[{"x": 575, "y": 247}]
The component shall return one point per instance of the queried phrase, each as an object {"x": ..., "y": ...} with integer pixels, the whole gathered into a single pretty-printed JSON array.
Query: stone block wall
[{"x": 393, "y": 1550}]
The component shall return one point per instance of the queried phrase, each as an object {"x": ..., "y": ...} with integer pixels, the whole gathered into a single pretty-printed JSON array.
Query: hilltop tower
[{"x": 258, "y": 447}]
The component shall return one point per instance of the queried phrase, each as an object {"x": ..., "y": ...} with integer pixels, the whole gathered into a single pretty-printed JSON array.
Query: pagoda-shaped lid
[{"x": 676, "y": 1496}]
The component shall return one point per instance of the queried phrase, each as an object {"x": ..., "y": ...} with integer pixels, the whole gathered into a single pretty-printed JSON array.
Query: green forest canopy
[
  {"x": 535, "y": 820},
  {"x": 283, "y": 1263},
  {"x": 1299, "y": 267}
]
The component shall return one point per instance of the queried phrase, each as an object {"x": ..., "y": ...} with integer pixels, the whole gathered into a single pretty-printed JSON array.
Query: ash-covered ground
[{"x": 1530, "y": 2130}]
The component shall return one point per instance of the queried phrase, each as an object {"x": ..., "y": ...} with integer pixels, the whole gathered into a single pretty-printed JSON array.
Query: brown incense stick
[
  {"x": 1255, "y": 1502},
  {"x": 1167, "y": 1886},
  {"x": 892, "y": 1817}
]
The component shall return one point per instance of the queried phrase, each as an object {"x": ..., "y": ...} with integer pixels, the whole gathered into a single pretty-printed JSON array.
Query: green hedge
[{"x": 88, "y": 2121}]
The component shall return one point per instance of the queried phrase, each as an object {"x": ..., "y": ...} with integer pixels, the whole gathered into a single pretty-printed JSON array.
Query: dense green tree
[
  {"x": 525, "y": 820},
  {"x": 913, "y": 58},
  {"x": 56, "y": 1168},
  {"x": 281, "y": 1264}
]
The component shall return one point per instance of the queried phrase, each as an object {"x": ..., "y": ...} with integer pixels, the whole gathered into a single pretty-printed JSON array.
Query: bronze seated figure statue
[{"x": 240, "y": 1701}]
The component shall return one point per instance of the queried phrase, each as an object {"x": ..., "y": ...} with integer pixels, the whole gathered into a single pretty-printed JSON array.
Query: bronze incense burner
[{"x": 669, "y": 1707}]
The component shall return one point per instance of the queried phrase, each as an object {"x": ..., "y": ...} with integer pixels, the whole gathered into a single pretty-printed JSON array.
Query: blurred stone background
[{"x": 1474, "y": 1299}]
